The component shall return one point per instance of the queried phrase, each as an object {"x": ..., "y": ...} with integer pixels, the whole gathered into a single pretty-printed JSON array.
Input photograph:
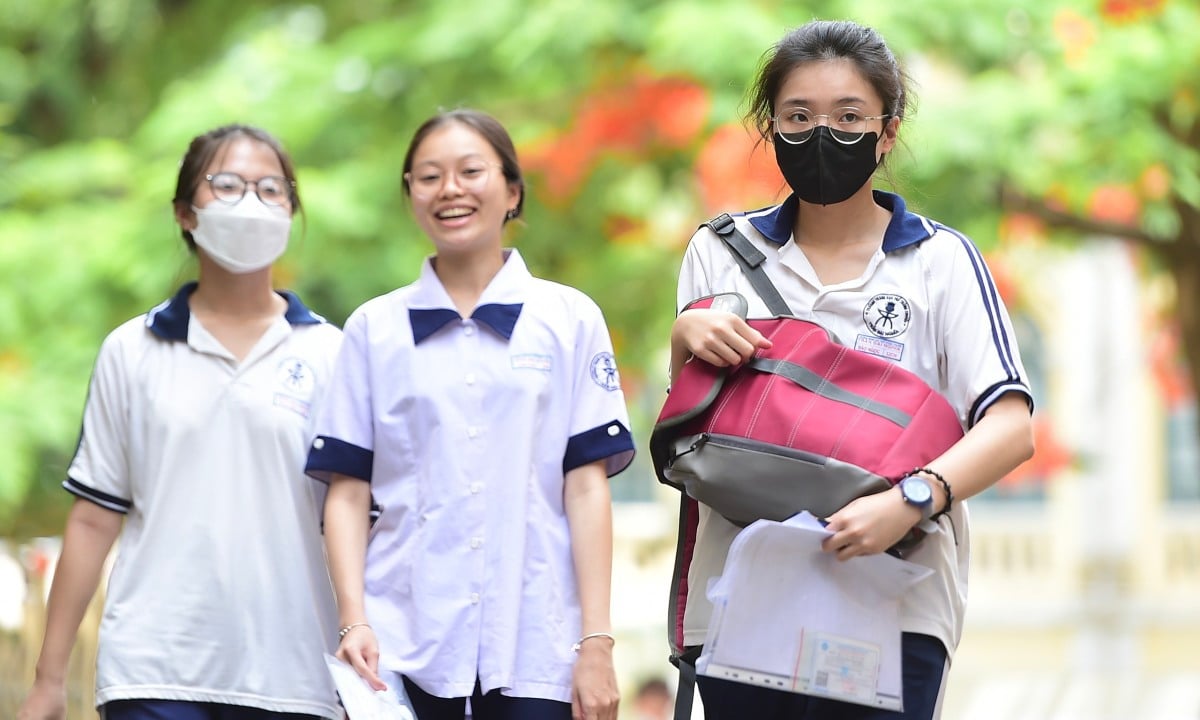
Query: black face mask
[{"x": 824, "y": 171}]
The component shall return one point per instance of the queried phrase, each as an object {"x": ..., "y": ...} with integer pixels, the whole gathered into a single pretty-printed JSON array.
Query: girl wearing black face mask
[{"x": 830, "y": 97}]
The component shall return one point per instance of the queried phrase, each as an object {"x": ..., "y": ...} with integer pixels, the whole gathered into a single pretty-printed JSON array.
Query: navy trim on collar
[
  {"x": 500, "y": 318},
  {"x": 427, "y": 322},
  {"x": 777, "y": 225},
  {"x": 169, "y": 319},
  {"x": 904, "y": 229},
  {"x": 297, "y": 312}
]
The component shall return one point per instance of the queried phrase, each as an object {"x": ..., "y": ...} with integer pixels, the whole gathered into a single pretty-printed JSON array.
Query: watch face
[{"x": 916, "y": 491}]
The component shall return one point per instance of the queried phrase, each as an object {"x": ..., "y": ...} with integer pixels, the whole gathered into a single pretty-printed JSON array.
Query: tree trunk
[
  {"x": 1180, "y": 253},
  {"x": 1183, "y": 258}
]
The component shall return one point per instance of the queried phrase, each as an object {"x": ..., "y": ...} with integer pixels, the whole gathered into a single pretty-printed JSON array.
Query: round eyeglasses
[
  {"x": 426, "y": 183},
  {"x": 230, "y": 188},
  {"x": 847, "y": 125}
]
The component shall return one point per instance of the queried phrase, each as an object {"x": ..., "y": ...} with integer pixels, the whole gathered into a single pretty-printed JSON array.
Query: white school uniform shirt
[
  {"x": 925, "y": 301},
  {"x": 219, "y": 592},
  {"x": 465, "y": 428}
]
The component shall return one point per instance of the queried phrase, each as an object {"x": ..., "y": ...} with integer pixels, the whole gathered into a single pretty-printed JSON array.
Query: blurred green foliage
[{"x": 99, "y": 98}]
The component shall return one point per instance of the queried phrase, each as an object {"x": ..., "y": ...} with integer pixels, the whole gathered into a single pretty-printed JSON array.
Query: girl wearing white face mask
[{"x": 194, "y": 437}]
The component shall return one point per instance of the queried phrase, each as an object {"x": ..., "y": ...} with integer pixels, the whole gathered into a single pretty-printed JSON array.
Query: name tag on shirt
[
  {"x": 531, "y": 361},
  {"x": 880, "y": 347}
]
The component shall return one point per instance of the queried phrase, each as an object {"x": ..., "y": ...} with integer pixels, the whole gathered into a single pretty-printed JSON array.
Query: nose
[{"x": 451, "y": 181}]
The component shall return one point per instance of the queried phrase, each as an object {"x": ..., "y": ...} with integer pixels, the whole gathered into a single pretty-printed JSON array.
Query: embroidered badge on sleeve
[{"x": 604, "y": 371}]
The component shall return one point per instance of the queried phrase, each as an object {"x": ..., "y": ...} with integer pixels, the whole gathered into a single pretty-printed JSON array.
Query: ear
[
  {"x": 185, "y": 216},
  {"x": 891, "y": 130},
  {"x": 514, "y": 194}
]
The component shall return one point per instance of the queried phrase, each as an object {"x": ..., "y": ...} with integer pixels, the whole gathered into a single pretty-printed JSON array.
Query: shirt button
[
  {"x": 474, "y": 598},
  {"x": 475, "y": 488},
  {"x": 476, "y": 543},
  {"x": 318, "y": 443},
  {"x": 614, "y": 430},
  {"x": 470, "y": 378},
  {"x": 469, "y": 330},
  {"x": 472, "y": 432}
]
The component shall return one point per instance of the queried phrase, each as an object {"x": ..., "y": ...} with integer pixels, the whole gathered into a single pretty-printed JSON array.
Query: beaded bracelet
[
  {"x": 348, "y": 628},
  {"x": 945, "y": 487},
  {"x": 579, "y": 643}
]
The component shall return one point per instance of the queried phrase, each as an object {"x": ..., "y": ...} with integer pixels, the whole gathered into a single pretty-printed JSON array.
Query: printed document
[
  {"x": 790, "y": 617},
  {"x": 363, "y": 703}
]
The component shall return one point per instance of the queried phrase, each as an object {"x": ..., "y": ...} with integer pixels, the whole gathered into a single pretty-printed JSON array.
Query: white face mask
[{"x": 243, "y": 237}]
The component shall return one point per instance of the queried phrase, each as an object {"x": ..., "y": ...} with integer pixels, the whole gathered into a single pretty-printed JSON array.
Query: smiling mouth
[{"x": 454, "y": 213}]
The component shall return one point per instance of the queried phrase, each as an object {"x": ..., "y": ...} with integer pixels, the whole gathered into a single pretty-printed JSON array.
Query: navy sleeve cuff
[
  {"x": 330, "y": 455},
  {"x": 611, "y": 442},
  {"x": 992, "y": 394},
  {"x": 104, "y": 500}
]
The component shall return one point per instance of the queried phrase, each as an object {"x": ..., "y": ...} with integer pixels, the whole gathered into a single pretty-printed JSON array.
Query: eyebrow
[
  {"x": 460, "y": 159},
  {"x": 840, "y": 102}
]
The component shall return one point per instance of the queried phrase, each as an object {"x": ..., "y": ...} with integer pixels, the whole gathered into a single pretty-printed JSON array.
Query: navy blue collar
[
  {"x": 500, "y": 318},
  {"x": 169, "y": 320},
  {"x": 904, "y": 229}
]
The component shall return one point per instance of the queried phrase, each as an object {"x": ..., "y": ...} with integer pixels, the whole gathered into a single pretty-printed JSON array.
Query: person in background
[
  {"x": 197, "y": 421},
  {"x": 652, "y": 700},
  {"x": 479, "y": 412},
  {"x": 830, "y": 97}
]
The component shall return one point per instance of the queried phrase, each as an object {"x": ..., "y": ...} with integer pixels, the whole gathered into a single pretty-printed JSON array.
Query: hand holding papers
[
  {"x": 363, "y": 703},
  {"x": 788, "y": 616}
]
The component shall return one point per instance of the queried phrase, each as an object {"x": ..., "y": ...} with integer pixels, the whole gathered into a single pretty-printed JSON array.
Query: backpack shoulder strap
[
  {"x": 683, "y": 657},
  {"x": 750, "y": 260}
]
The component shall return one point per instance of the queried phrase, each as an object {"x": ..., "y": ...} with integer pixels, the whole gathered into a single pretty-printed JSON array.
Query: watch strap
[{"x": 945, "y": 488}]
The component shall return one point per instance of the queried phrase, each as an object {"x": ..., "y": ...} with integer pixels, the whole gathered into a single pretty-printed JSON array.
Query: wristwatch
[{"x": 916, "y": 492}]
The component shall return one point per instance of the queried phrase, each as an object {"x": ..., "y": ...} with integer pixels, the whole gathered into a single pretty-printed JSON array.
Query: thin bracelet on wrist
[
  {"x": 342, "y": 632},
  {"x": 579, "y": 643}
]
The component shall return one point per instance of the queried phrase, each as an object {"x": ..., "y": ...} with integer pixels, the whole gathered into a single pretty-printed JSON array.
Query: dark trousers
[
  {"x": 184, "y": 710},
  {"x": 923, "y": 660},
  {"x": 490, "y": 706}
]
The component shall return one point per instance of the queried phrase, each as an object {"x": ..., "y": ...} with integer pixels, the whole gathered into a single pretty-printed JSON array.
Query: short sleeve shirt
[
  {"x": 925, "y": 301},
  {"x": 219, "y": 592},
  {"x": 465, "y": 428}
]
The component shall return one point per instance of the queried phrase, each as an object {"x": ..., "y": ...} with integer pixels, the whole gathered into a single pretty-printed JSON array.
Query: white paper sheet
[
  {"x": 788, "y": 616},
  {"x": 363, "y": 703}
]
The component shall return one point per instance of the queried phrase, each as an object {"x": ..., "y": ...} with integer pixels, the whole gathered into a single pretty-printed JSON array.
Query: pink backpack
[{"x": 805, "y": 425}]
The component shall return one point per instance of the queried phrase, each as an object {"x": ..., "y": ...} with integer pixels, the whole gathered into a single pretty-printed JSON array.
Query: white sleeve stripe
[{"x": 987, "y": 291}]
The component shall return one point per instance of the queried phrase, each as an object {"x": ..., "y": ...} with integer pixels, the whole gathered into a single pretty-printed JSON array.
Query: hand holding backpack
[{"x": 806, "y": 424}]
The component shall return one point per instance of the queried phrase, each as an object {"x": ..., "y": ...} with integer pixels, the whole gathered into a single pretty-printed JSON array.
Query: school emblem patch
[
  {"x": 887, "y": 315},
  {"x": 604, "y": 371},
  {"x": 295, "y": 377}
]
